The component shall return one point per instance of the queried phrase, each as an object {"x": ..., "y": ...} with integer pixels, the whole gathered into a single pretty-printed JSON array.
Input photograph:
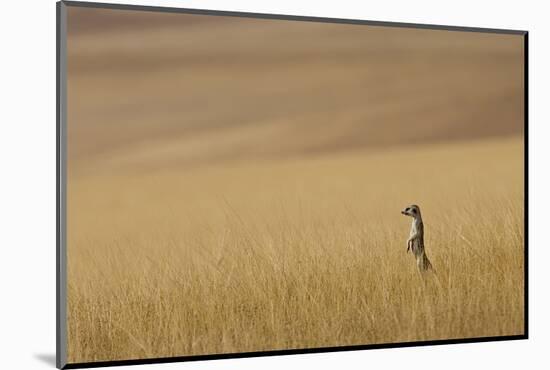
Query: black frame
[{"x": 61, "y": 182}]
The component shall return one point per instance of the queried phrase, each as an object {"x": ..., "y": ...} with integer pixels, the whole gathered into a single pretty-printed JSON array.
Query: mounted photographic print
[{"x": 236, "y": 184}]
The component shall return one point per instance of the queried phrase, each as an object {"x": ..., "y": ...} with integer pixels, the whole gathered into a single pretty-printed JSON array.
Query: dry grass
[{"x": 308, "y": 252}]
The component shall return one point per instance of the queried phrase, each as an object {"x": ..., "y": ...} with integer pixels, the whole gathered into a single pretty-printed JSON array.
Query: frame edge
[
  {"x": 61, "y": 185},
  {"x": 287, "y": 17}
]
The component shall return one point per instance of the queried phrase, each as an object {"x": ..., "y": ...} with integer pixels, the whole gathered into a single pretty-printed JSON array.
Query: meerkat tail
[{"x": 423, "y": 263}]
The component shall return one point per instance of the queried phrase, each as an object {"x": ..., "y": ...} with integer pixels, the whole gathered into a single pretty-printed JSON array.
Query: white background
[{"x": 27, "y": 182}]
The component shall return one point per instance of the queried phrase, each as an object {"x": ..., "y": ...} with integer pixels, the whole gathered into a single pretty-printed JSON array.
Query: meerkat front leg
[{"x": 411, "y": 240}]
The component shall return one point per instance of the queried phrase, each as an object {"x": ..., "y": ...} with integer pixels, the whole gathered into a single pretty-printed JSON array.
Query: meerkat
[{"x": 416, "y": 238}]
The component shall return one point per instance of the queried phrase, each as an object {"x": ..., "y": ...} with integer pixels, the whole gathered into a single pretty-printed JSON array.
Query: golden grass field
[
  {"x": 296, "y": 254},
  {"x": 245, "y": 195}
]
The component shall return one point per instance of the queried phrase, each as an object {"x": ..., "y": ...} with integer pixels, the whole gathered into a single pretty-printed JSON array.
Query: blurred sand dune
[{"x": 192, "y": 89}]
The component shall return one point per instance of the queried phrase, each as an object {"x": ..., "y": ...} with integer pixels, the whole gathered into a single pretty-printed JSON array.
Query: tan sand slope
[{"x": 222, "y": 87}]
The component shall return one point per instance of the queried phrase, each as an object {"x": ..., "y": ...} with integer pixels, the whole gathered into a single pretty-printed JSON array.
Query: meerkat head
[{"x": 412, "y": 211}]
